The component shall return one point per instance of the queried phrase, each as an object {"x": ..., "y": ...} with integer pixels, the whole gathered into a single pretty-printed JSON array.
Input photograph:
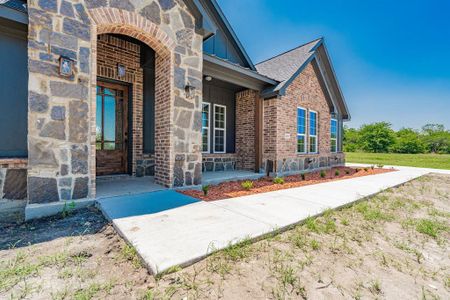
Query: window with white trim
[
  {"x": 312, "y": 132},
  {"x": 219, "y": 128},
  {"x": 301, "y": 130},
  {"x": 334, "y": 134},
  {"x": 206, "y": 111}
]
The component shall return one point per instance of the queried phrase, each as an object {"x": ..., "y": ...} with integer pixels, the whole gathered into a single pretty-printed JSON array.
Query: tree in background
[
  {"x": 436, "y": 138},
  {"x": 408, "y": 141},
  {"x": 351, "y": 139},
  {"x": 376, "y": 137}
]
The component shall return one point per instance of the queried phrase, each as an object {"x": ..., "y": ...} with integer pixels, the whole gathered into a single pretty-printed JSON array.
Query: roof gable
[
  {"x": 287, "y": 66},
  {"x": 224, "y": 42}
]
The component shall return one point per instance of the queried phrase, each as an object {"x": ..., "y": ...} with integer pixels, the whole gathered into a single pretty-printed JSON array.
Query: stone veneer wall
[
  {"x": 219, "y": 162},
  {"x": 246, "y": 102},
  {"x": 111, "y": 51},
  {"x": 280, "y": 127},
  {"x": 13, "y": 190},
  {"x": 145, "y": 166},
  {"x": 61, "y": 118}
]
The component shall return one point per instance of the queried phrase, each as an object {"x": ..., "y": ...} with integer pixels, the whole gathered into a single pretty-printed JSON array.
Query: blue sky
[{"x": 392, "y": 57}]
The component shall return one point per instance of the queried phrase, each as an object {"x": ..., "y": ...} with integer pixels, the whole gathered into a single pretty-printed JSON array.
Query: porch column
[{"x": 248, "y": 130}]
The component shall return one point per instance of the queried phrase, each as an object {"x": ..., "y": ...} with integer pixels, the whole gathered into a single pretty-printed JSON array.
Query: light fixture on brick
[
  {"x": 208, "y": 78},
  {"x": 121, "y": 70}
]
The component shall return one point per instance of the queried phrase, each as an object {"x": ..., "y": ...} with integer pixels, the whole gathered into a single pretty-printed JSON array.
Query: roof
[
  {"x": 287, "y": 66},
  {"x": 284, "y": 66},
  {"x": 18, "y": 5}
]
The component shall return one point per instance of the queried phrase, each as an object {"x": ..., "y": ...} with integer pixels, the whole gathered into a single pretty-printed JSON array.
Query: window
[
  {"x": 301, "y": 130},
  {"x": 333, "y": 131},
  {"x": 205, "y": 126},
  {"x": 219, "y": 128},
  {"x": 312, "y": 132}
]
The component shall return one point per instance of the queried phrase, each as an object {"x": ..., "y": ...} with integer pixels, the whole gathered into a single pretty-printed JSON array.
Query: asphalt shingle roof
[{"x": 282, "y": 67}]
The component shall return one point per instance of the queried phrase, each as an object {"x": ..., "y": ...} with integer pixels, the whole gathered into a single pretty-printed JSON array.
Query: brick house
[{"x": 159, "y": 88}]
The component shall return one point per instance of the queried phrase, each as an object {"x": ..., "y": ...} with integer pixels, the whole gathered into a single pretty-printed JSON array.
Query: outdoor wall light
[
  {"x": 121, "y": 70},
  {"x": 208, "y": 78},
  {"x": 189, "y": 91},
  {"x": 65, "y": 66}
]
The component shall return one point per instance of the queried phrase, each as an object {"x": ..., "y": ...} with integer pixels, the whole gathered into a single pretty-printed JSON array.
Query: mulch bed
[{"x": 234, "y": 189}]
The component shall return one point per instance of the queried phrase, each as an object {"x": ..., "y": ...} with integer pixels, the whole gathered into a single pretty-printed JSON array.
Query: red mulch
[{"x": 234, "y": 189}]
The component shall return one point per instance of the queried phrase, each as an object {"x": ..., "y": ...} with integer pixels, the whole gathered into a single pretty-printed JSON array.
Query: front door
[{"x": 111, "y": 128}]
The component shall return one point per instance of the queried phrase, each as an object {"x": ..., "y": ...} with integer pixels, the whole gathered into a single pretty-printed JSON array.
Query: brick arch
[
  {"x": 113, "y": 20},
  {"x": 108, "y": 20}
]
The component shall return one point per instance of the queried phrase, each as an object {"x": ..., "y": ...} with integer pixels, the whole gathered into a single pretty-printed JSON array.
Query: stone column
[{"x": 58, "y": 109}]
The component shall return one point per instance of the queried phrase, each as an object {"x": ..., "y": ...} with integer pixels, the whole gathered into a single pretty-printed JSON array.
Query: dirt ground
[{"x": 392, "y": 246}]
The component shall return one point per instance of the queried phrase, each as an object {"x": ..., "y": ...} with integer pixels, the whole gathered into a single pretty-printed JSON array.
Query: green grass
[{"x": 435, "y": 161}]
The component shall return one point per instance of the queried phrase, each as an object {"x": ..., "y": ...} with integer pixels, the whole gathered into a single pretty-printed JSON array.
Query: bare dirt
[
  {"x": 392, "y": 246},
  {"x": 234, "y": 189}
]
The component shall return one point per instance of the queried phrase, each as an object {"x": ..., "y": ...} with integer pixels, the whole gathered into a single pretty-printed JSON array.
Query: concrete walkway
[{"x": 186, "y": 234}]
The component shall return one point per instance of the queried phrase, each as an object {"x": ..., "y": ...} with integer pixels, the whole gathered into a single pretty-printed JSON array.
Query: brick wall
[
  {"x": 280, "y": 126},
  {"x": 111, "y": 51},
  {"x": 246, "y": 102}
]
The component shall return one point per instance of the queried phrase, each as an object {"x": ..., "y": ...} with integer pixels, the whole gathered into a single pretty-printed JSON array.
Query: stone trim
[{"x": 215, "y": 162}]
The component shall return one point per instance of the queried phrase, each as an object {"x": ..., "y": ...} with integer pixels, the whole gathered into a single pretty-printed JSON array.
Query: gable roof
[
  {"x": 287, "y": 66},
  {"x": 212, "y": 7},
  {"x": 19, "y": 5}
]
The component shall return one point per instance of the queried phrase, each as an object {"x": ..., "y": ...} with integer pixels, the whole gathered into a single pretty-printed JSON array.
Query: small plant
[
  {"x": 278, "y": 180},
  {"x": 430, "y": 227},
  {"x": 375, "y": 288},
  {"x": 68, "y": 209},
  {"x": 205, "y": 190},
  {"x": 347, "y": 172},
  {"x": 323, "y": 174},
  {"x": 247, "y": 185},
  {"x": 366, "y": 169},
  {"x": 302, "y": 176},
  {"x": 357, "y": 170},
  {"x": 380, "y": 166},
  {"x": 372, "y": 167},
  {"x": 315, "y": 245},
  {"x": 337, "y": 173}
]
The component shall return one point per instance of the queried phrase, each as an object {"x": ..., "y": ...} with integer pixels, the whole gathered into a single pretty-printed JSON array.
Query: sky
[{"x": 392, "y": 57}]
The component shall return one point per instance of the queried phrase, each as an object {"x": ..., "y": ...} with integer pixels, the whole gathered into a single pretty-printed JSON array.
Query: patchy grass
[
  {"x": 391, "y": 246},
  {"x": 435, "y": 161}
]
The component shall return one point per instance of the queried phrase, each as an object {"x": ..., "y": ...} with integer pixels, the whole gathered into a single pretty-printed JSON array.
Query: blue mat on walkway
[{"x": 143, "y": 204}]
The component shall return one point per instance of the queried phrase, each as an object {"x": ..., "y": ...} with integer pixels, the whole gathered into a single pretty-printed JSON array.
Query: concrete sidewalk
[{"x": 184, "y": 235}]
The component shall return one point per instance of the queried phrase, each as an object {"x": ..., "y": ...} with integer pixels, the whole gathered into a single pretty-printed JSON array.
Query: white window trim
[
  {"x": 209, "y": 127},
  {"x": 337, "y": 134},
  {"x": 306, "y": 130},
  {"x": 317, "y": 131},
  {"x": 222, "y": 129}
]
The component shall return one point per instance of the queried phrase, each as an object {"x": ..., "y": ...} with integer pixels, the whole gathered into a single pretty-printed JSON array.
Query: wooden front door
[{"x": 112, "y": 128}]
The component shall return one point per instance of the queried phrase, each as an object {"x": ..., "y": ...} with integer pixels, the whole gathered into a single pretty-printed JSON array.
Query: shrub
[
  {"x": 366, "y": 169},
  {"x": 372, "y": 167},
  {"x": 303, "y": 176},
  {"x": 323, "y": 174},
  {"x": 247, "y": 185},
  {"x": 376, "y": 137},
  {"x": 205, "y": 189},
  {"x": 380, "y": 166},
  {"x": 347, "y": 172},
  {"x": 337, "y": 173},
  {"x": 278, "y": 180},
  {"x": 357, "y": 170}
]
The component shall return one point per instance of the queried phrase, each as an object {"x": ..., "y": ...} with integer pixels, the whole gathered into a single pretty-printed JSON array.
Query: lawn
[
  {"x": 435, "y": 161},
  {"x": 394, "y": 245}
]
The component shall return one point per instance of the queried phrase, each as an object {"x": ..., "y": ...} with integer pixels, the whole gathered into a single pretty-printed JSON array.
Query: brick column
[{"x": 246, "y": 102}]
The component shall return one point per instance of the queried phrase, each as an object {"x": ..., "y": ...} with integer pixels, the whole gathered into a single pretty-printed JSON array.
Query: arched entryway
[{"x": 133, "y": 100}]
